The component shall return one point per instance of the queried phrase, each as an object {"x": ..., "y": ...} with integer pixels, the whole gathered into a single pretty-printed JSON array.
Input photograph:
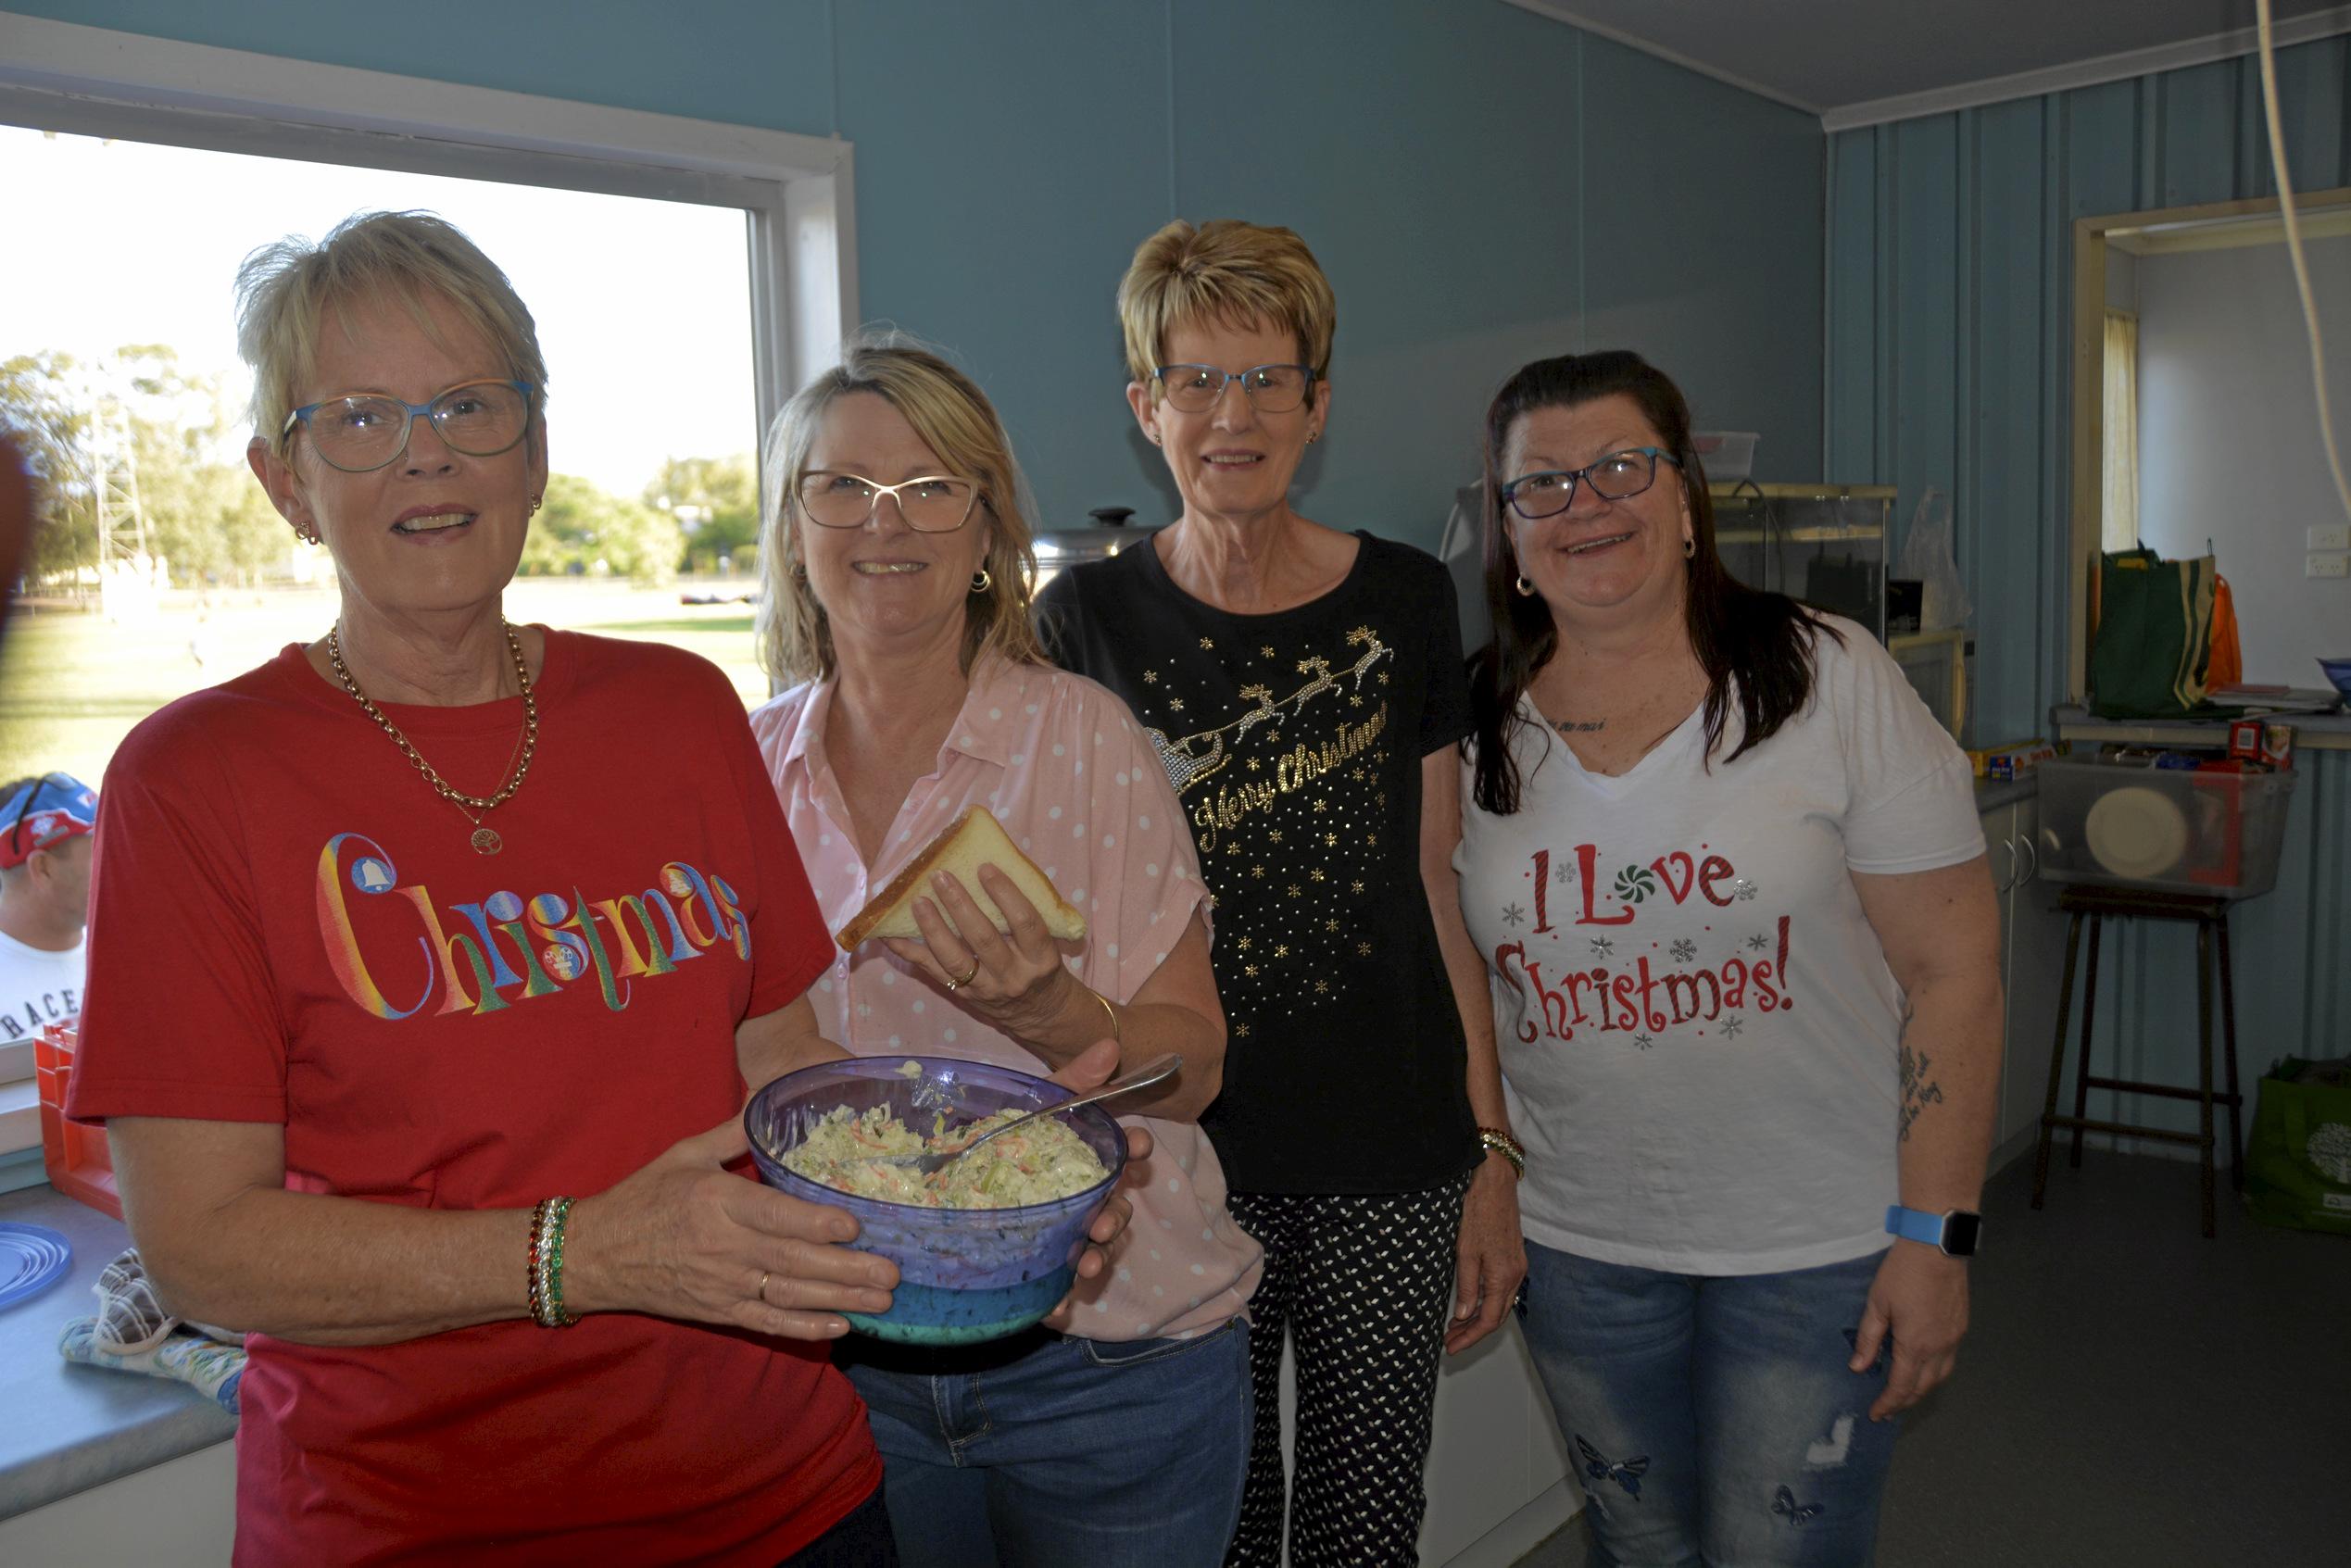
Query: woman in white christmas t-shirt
[{"x": 1728, "y": 876}]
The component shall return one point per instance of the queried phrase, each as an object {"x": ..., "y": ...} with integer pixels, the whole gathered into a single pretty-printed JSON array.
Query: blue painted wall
[
  {"x": 1949, "y": 256},
  {"x": 1483, "y": 186}
]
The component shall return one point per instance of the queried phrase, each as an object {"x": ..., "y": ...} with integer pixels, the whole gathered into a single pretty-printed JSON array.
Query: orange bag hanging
[{"x": 2227, "y": 666}]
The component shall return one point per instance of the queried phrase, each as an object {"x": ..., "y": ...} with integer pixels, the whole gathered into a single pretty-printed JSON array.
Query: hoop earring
[
  {"x": 307, "y": 532},
  {"x": 982, "y": 581},
  {"x": 1689, "y": 546},
  {"x": 1526, "y": 589}
]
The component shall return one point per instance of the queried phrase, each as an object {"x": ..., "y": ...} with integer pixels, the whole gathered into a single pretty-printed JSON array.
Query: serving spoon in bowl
[{"x": 1160, "y": 1066}]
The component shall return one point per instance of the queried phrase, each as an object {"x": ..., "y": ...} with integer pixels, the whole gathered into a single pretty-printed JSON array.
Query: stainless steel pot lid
[{"x": 1110, "y": 535}]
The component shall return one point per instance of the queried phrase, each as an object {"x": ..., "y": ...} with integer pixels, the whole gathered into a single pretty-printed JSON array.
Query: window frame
[
  {"x": 797, "y": 192},
  {"x": 2255, "y": 219}
]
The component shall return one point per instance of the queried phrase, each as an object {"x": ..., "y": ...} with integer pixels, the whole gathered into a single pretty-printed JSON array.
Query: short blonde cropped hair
[
  {"x": 285, "y": 291},
  {"x": 954, "y": 418},
  {"x": 1224, "y": 271}
]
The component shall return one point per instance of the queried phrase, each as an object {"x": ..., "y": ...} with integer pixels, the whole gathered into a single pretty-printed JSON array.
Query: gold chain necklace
[{"x": 474, "y": 807}]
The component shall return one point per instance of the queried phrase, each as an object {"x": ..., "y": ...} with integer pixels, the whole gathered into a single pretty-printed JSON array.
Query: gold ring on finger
[
  {"x": 762, "y": 1291},
  {"x": 957, "y": 982}
]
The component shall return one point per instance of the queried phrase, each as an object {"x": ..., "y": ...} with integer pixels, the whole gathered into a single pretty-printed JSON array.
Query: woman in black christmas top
[{"x": 1304, "y": 689}]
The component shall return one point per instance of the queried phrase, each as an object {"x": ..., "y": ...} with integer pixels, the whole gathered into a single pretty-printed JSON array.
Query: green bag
[
  {"x": 2153, "y": 649},
  {"x": 2298, "y": 1161}
]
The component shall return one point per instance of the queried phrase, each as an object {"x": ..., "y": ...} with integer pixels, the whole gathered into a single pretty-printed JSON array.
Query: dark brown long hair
[{"x": 1764, "y": 640}]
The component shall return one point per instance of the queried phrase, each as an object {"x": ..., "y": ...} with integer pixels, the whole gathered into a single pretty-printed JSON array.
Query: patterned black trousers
[{"x": 1361, "y": 1288}]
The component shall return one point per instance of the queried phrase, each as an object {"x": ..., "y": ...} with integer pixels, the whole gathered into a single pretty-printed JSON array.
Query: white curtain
[{"x": 2119, "y": 509}]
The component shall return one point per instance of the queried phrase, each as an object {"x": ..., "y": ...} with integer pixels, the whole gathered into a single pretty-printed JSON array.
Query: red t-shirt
[{"x": 291, "y": 927}]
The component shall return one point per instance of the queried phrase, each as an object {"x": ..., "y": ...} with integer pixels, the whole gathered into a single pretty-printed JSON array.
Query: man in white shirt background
[{"x": 46, "y": 827}]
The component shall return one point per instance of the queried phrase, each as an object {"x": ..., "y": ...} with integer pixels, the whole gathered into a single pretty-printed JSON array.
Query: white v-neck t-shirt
[{"x": 1698, "y": 1027}]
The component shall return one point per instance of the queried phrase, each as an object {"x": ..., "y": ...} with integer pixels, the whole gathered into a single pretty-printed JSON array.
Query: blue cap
[{"x": 43, "y": 812}]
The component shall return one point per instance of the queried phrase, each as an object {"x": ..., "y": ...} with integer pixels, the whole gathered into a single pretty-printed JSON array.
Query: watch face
[{"x": 1960, "y": 1231}]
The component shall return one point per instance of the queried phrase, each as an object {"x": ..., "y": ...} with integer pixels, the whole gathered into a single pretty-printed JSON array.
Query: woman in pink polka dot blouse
[{"x": 897, "y": 610}]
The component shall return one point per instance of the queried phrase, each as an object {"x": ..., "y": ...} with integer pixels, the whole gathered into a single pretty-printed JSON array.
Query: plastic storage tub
[
  {"x": 75, "y": 1153},
  {"x": 1728, "y": 454},
  {"x": 2161, "y": 829}
]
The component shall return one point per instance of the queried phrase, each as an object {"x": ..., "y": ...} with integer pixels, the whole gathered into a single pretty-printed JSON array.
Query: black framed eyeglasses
[
  {"x": 362, "y": 432},
  {"x": 1271, "y": 389},
  {"x": 1619, "y": 476},
  {"x": 934, "y": 503}
]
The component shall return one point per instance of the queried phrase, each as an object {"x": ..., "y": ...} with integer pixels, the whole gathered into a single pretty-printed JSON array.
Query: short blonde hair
[
  {"x": 286, "y": 290},
  {"x": 954, "y": 418},
  {"x": 1224, "y": 271}
]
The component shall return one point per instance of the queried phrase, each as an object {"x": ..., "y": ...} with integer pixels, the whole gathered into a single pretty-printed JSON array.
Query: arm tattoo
[{"x": 1919, "y": 1091}]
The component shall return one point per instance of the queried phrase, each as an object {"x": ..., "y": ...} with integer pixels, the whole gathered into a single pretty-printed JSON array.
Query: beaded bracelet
[
  {"x": 531, "y": 1272},
  {"x": 547, "y": 1222},
  {"x": 1510, "y": 1148}
]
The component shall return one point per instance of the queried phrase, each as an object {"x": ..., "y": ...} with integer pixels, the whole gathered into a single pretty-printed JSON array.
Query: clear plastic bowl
[{"x": 964, "y": 1274}]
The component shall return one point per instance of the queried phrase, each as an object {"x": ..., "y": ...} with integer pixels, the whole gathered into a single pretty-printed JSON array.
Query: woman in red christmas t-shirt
[{"x": 362, "y": 1036}]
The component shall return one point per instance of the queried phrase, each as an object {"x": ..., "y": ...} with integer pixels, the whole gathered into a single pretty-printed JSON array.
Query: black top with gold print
[{"x": 1294, "y": 742}]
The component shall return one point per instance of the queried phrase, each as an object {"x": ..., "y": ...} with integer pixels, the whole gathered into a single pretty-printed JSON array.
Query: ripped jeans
[{"x": 1711, "y": 1419}]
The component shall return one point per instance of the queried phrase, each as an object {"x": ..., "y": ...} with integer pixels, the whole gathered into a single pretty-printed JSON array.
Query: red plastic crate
[{"x": 76, "y": 1154}]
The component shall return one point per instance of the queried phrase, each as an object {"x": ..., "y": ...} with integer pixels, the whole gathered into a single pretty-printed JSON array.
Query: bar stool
[{"x": 2211, "y": 916}]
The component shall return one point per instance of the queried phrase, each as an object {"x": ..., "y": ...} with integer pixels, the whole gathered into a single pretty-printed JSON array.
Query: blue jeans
[
  {"x": 1712, "y": 1420},
  {"x": 1053, "y": 1451}
]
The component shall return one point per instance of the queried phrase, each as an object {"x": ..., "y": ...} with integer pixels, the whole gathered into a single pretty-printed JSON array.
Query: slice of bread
[{"x": 971, "y": 841}]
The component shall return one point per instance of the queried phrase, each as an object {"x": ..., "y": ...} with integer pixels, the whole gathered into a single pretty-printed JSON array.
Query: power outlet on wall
[
  {"x": 2337, "y": 564},
  {"x": 2328, "y": 536}
]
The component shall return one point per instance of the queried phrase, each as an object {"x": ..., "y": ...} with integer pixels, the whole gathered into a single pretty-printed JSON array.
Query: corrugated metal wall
[{"x": 1948, "y": 310}]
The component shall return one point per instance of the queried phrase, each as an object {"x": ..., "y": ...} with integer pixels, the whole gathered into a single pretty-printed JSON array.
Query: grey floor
[{"x": 2131, "y": 1394}]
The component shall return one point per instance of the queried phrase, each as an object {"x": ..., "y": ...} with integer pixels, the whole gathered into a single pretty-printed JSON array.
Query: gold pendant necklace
[{"x": 485, "y": 840}]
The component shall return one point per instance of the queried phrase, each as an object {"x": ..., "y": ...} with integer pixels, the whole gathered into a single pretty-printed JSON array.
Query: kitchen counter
[
  {"x": 72, "y": 1427},
  {"x": 1992, "y": 794},
  {"x": 2312, "y": 732}
]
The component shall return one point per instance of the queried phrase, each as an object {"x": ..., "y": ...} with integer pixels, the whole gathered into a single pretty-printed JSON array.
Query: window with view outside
[{"x": 160, "y": 567}]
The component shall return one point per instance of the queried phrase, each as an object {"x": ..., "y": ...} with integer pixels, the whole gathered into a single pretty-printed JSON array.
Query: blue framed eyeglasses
[
  {"x": 362, "y": 432},
  {"x": 1619, "y": 476}
]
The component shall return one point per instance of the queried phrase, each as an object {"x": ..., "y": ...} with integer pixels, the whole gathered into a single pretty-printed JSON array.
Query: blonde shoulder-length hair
[{"x": 955, "y": 419}]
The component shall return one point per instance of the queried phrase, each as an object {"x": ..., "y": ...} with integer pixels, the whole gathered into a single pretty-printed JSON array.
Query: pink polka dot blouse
[{"x": 1062, "y": 764}]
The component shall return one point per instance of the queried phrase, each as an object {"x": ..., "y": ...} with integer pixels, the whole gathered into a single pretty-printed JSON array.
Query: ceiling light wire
[{"x": 2294, "y": 249}]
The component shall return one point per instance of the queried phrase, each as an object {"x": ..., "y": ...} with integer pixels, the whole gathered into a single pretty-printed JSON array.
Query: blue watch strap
[{"x": 1914, "y": 1224}]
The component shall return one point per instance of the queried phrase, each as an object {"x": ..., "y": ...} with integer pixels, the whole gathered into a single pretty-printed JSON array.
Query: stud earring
[
  {"x": 1526, "y": 589},
  {"x": 982, "y": 581},
  {"x": 306, "y": 532}
]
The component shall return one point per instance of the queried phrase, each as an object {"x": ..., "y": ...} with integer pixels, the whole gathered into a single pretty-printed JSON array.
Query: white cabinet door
[
  {"x": 2036, "y": 948},
  {"x": 1480, "y": 1470}
]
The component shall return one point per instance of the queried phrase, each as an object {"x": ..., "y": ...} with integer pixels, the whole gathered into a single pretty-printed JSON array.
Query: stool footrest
[
  {"x": 2126, "y": 1129},
  {"x": 2171, "y": 1091}
]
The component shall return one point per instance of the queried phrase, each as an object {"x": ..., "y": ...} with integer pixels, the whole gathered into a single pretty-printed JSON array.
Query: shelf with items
[{"x": 1822, "y": 544}]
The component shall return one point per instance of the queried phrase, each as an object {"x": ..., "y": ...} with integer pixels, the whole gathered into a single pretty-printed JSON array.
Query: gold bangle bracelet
[
  {"x": 1494, "y": 1140},
  {"x": 1112, "y": 1013}
]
